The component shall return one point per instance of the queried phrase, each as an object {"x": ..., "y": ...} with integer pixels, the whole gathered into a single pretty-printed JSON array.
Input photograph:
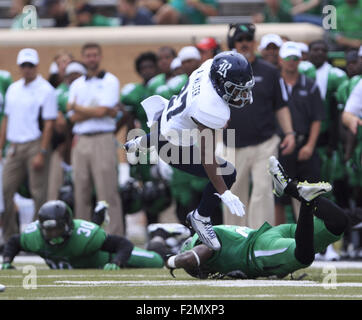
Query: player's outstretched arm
[
  {"x": 190, "y": 260},
  {"x": 122, "y": 248},
  {"x": 11, "y": 249}
]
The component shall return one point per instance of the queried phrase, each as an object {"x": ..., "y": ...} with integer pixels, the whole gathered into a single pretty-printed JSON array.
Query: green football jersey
[
  {"x": 155, "y": 82},
  {"x": 62, "y": 93},
  {"x": 82, "y": 249},
  {"x": 335, "y": 77},
  {"x": 172, "y": 86},
  {"x": 132, "y": 94},
  {"x": 5, "y": 82}
]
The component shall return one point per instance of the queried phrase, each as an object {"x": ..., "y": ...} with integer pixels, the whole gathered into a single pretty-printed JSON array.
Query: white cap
[
  {"x": 75, "y": 67},
  {"x": 290, "y": 48},
  {"x": 176, "y": 63},
  {"x": 270, "y": 38},
  {"x": 189, "y": 52},
  {"x": 53, "y": 68},
  {"x": 303, "y": 47},
  {"x": 360, "y": 51},
  {"x": 28, "y": 55}
]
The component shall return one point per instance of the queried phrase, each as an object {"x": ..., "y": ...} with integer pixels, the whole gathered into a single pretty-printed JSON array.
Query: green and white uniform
[
  {"x": 328, "y": 79},
  {"x": 172, "y": 86},
  {"x": 353, "y": 167},
  {"x": 264, "y": 252},
  {"x": 62, "y": 93},
  {"x": 83, "y": 249}
]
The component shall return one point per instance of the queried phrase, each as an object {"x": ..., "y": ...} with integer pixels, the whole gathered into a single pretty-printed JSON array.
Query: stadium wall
[{"x": 122, "y": 44}]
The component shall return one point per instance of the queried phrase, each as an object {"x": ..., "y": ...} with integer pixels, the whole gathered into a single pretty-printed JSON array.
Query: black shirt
[
  {"x": 304, "y": 102},
  {"x": 256, "y": 123}
]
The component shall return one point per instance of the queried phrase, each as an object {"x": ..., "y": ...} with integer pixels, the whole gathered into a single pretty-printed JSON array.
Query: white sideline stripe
[
  {"x": 210, "y": 283},
  {"x": 267, "y": 253},
  {"x": 316, "y": 264}
]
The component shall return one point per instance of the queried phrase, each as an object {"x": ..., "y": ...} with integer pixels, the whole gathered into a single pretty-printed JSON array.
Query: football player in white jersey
[{"x": 184, "y": 125}]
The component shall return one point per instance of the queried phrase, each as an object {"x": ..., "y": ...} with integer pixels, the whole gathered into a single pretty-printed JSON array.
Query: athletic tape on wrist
[{"x": 197, "y": 257}]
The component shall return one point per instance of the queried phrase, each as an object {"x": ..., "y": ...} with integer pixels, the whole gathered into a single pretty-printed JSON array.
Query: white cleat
[
  {"x": 280, "y": 178},
  {"x": 309, "y": 191},
  {"x": 204, "y": 230}
]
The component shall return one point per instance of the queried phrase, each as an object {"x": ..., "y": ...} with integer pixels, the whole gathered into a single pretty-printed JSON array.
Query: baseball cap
[
  {"x": 189, "y": 52},
  {"x": 270, "y": 38},
  {"x": 244, "y": 28},
  {"x": 207, "y": 44},
  {"x": 290, "y": 48},
  {"x": 303, "y": 47},
  {"x": 351, "y": 55},
  {"x": 176, "y": 63},
  {"x": 27, "y": 55},
  {"x": 75, "y": 67}
]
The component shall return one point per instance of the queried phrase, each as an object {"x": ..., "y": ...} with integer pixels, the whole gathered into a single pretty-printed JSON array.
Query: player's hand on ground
[
  {"x": 232, "y": 202},
  {"x": 111, "y": 266},
  {"x": 7, "y": 266}
]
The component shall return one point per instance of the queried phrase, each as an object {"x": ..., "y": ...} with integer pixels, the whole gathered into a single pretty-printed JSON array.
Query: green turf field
[{"x": 332, "y": 280}]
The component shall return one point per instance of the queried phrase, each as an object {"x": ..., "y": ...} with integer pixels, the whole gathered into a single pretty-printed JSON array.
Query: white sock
[{"x": 199, "y": 217}]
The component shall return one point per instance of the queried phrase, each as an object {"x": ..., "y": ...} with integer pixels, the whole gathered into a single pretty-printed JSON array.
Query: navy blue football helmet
[
  {"x": 232, "y": 77},
  {"x": 56, "y": 222}
]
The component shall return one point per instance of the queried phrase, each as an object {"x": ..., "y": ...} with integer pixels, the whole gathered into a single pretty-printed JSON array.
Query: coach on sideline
[
  {"x": 26, "y": 102},
  {"x": 92, "y": 108}
]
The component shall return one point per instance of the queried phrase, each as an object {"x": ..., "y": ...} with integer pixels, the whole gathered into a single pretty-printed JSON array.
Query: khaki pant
[
  {"x": 56, "y": 175},
  {"x": 18, "y": 166},
  {"x": 94, "y": 162},
  {"x": 251, "y": 165}
]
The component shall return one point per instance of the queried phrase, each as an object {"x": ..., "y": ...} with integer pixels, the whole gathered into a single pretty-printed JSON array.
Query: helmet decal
[{"x": 223, "y": 68}]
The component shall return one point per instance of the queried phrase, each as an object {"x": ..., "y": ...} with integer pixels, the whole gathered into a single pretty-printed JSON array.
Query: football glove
[
  {"x": 111, "y": 266},
  {"x": 232, "y": 202},
  {"x": 7, "y": 266}
]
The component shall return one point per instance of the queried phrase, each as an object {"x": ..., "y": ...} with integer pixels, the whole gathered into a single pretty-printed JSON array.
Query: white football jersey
[{"x": 197, "y": 100}]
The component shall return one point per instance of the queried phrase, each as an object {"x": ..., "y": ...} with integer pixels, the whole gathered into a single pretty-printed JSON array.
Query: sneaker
[
  {"x": 204, "y": 230},
  {"x": 280, "y": 178},
  {"x": 168, "y": 230},
  {"x": 309, "y": 191}
]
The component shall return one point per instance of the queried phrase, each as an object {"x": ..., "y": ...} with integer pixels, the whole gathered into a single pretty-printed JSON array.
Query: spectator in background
[
  {"x": 186, "y": 12},
  {"x": 256, "y": 136},
  {"x": 131, "y": 14},
  {"x": 57, "y": 68},
  {"x": 26, "y": 100},
  {"x": 190, "y": 59},
  {"x": 273, "y": 12},
  {"x": 92, "y": 104},
  {"x": 208, "y": 48},
  {"x": 269, "y": 48},
  {"x": 57, "y": 9},
  {"x": 62, "y": 137},
  {"x": 306, "y": 11},
  {"x": 165, "y": 56},
  {"x": 87, "y": 16},
  {"x": 302, "y": 96},
  {"x": 304, "y": 49},
  {"x": 349, "y": 25}
]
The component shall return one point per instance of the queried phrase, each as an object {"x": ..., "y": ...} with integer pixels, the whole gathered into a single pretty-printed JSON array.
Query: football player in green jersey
[
  {"x": 269, "y": 251},
  {"x": 66, "y": 243}
]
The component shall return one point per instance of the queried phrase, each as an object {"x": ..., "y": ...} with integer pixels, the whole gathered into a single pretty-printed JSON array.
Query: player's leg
[{"x": 141, "y": 258}]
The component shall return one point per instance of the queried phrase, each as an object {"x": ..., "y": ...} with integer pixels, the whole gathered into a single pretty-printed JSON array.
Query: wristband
[{"x": 290, "y": 132}]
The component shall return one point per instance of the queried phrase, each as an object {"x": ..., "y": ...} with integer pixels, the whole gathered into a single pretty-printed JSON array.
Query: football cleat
[
  {"x": 204, "y": 230},
  {"x": 280, "y": 178},
  {"x": 309, "y": 191},
  {"x": 168, "y": 230}
]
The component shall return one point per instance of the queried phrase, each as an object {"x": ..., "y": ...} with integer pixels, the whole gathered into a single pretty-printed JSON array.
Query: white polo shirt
[
  {"x": 354, "y": 102},
  {"x": 93, "y": 92},
  {"x": 23, "y": 104}
]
